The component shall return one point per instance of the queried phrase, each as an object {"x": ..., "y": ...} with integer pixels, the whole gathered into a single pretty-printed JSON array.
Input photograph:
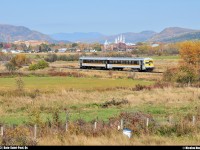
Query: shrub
[
  {"x": 18, "y": 136},
  {"x": 19, "y": 84},
  {"x": 186, "y": 74},
  {"x": 54, "y": 57},
  {"x": 62, "y": 57},
  {"x": 40, "y": 65},
  {"x": 33, "y": 67},
  {"x": 10, "y": 67},
  {"x": 51, "y": 58},
  {"x": 5, "y": 57},
  {"x": 70, "y": 74},
  {"x": 20, "y": 60},
  {"x": 183, "y": 74},
  {"x": 139, "y": 87},
  {"x": 113, "y": 102},
  {"x": 169, "y": 74}
]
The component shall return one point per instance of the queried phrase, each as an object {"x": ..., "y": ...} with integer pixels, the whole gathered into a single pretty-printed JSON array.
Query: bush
[
  {"x": 20, "y": 60},
  {"x": 186, "y": 74},
  {"x": 19, "y": 85},
  {"x": 51, "y": 58},
  {"x": 10, "y": 67},
  {"x": 182, "y": 74},
  {"x": 139, "y": 87},
  {"x": 18, "y": 136},
  {"x": 169, "y": 74},
  {"x": 40, "y": 65},
  {"x": 62, "y": 57},
  {"x": 5, "y": 57},
  {"x": 54, "y": 57}
]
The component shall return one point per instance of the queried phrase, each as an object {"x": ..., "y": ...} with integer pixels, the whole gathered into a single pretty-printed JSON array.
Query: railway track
[{"x": 76, "y": 68}]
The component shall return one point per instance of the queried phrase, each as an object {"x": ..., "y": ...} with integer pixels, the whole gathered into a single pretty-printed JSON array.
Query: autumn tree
[
  {"x": 20, "y": 60},
  {"x": 143, "y": 48},
  {"x": 96, "y": 46},
  {"x": 171, "y": 48},
  {"x": 190, "y": 52},
  {"x": 188, "y": 70}
]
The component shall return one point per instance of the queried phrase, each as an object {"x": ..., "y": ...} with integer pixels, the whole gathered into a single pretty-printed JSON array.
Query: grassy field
[
  {"x": 81, "y": 89},
  {"x": 43, "y": 98},
  {"x": 83, "y": 104},
  {"x": 51, "y": 83}
]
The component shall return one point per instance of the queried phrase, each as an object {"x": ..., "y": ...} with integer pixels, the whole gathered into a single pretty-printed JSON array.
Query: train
[{"x": 117, "y": 63}]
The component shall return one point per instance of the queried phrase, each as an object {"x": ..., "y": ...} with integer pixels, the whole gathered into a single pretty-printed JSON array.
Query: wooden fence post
[
  {"x": 1, "y": 131},
  {"x": 66, "y": 125},
  {"x": 95, "y": 125},
  {"x": 35, "y": 132},
  {"x": 147, "y": 122},
  {"x": 122, "y": 124},
  {"x": 193, "y": 120},
  {"x": 170, "y": 119}
]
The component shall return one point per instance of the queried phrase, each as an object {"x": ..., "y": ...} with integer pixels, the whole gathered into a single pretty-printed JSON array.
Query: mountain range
[
  {"x": 171, "y": 34},
  {"x": 175, "y": 34},
  {"x": 10, "y": 33},
  {"x": 98, "y": 37}
]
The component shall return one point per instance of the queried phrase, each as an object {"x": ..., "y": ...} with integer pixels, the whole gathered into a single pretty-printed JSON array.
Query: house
[
  {"x": 5, "y": 50},
  {"x": 93, "y": 50},
  {"x": 62, "y": 50}
]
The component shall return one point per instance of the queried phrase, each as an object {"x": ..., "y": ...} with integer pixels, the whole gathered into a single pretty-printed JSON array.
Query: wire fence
[{"x": 137, "y": 123}]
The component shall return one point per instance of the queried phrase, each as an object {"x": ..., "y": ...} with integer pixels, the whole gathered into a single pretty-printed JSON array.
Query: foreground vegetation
[
  {"x": 48, "y": 111},
  {"x": 85, "y": 107}
]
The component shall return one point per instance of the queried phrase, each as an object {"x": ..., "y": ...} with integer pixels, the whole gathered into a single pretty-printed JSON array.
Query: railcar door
[
  {"x": 106, "y": 62},
  {"x": 109, "y": 64},
  {"x": 80, "y": 61},
  {"x": 141, "y": 65}
]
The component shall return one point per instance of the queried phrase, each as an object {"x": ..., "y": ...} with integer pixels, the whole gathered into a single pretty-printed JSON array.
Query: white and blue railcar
[{"x": 118, "y": 63}]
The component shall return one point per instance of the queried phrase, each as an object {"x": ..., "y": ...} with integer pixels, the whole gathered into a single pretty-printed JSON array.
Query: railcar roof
[{"x": 114, "y": 58}]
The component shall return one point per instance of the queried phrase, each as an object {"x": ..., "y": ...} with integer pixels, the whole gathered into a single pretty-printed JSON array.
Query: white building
[
  {"x": 5, "y": 51},
  {"x": 155, "y": 45},
  {"x": 120, "y": 39},
  {"x": 62, "y": 50}
]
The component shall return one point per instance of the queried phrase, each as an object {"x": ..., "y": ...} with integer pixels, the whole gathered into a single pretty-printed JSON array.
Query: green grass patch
[
  {"x": 14, "y": 119},
  {"x": 156, "y": 110},
  {"x": 56, "y": 83},
  {"x": 89, "y": 115},
  {"x": 91, "y": 112}
]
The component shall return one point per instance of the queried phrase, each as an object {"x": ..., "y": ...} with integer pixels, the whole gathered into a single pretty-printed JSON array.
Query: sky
[{"x": 104, "y": 16}]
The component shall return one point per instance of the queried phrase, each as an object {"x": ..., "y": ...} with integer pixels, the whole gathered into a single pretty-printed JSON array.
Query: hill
[
  {"x": 10, "y": 33},
  {"x": 98, "y": 37},
  {"x": 174, "y": 34}
]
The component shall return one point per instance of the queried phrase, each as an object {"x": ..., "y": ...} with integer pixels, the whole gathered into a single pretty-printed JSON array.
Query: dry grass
[
  {"x": 2, "y": 67},
  {"x": 162, "y": 65},
  {"x": 170, "y": 100},
  {"x": 119, "y": 139},
  {"x": 167, "y": 96}
]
